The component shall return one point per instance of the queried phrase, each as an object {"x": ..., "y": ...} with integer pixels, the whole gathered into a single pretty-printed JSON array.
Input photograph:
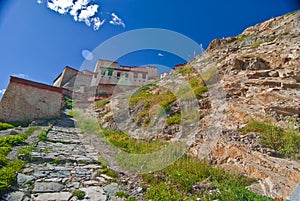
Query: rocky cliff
[{"x": 246, "y": 98}]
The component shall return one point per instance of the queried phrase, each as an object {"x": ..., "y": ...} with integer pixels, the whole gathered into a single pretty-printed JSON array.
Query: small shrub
[
  {"x": 79, "y": 194},
  {"x": 4, "y": 126}
]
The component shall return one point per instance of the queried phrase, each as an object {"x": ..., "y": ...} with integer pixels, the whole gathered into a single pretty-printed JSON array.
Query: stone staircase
[{"x": 60, "y": 165}]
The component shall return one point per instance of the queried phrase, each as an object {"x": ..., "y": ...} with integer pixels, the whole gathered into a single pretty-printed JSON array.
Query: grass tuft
[{"x": 285, "y": 142}]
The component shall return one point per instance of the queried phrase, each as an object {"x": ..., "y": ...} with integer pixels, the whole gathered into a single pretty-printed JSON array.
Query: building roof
[
  {"x": 66, "y": 67},
  {"x": 35, "y": 84}
]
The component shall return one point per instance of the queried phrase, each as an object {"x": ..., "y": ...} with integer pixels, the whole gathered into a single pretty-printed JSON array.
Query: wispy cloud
[
  {"x": 86, "y": 11},
  {"x": 116, "y": 20},
  {"x": 21, "y": 75}
]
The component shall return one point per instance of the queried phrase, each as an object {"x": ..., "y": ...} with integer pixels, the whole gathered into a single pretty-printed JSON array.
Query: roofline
[
  {"x": 36, "y": 84},
  {"x": 66, "y": 67},
  {"x": 183, "y": 64},
  {"x": 126, "y": 70},
  {"x": 108, "y": 61}
]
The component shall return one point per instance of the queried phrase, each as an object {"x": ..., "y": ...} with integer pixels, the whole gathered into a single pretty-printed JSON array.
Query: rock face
[
  {"x": 258, "y": 72},
  {"x": 257, "y": 77}
]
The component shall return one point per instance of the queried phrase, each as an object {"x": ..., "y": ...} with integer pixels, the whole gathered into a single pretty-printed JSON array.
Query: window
[
  {"x": 118, "y": 75},
  {"x": 110, "y": 72},
  {"x": 144, "y": 76},
  {"x": 135, "y": 75},
  {"x": 104, "y": 72},
  {"x": 126, "y": 75}
]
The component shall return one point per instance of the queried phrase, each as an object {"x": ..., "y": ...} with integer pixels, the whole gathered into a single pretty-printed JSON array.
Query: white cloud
[
  {"x": 86, "y": 11},
  {"x": 21, "y": 75},
  {"x": 97, "y": 22},
  {"x": 2, "y": 91},
  {"x": 60, "y": 6},
  {"x": 116, "y": 20},
  {"x": 160, "y": 55}
]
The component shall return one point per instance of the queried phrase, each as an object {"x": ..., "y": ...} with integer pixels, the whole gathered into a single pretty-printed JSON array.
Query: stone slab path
[{"x": 60, "y": 165}]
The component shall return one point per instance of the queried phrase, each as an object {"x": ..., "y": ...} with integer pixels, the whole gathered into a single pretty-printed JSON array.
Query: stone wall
[{"x": 25, "y": 101}]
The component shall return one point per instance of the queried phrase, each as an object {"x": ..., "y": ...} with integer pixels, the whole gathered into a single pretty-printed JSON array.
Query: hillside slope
[{"x": 237, "y": 105}]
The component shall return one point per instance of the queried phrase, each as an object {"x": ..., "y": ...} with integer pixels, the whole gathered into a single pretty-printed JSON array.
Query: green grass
[
  {"x": 69, "y": 102},
  {"x": 127, "y": 144},
  {"x": 4, "y": 126},
  {"x": 186, "y": 70},
  {"x": 102, "y": 103},
  {"x": 86, "y": 124},
  {"x": 206, "y": 75},
  {"x": 79, "y": 194},
  {"x": 241, "y": 38},
  {"x": 25, "y": 152},
  {"x": 42, "y": 136},
  {"x": 150, "y": 102},
  {"x": 176, "y": 181},
  {"x": 108, "y": 172},
  {"x": 8, "y": 175},
  {"x": 121, "y": 194},
  {"x": 285, "y": 142},
  {"x": 256, "y": 44},
  {"x": 10, "y": 168},
  {"x": 175, "y": 119}
]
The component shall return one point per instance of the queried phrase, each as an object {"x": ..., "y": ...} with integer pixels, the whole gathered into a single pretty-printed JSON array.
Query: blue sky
[{"x": 37, "y": 40}]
